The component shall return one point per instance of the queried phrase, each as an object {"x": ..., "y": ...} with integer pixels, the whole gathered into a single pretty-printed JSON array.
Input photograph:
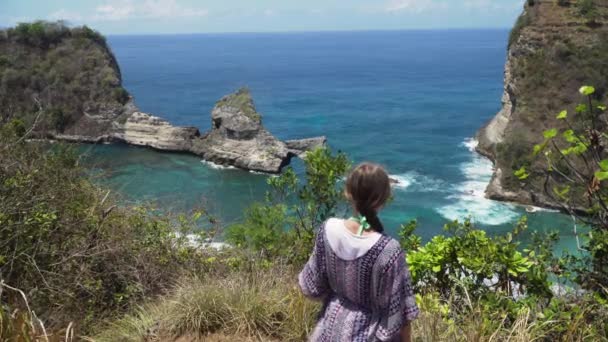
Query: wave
[
  {"x": 470, "y": 144},
  {"x": 469, "y": 196},
  {"x": 217, "y": 166},
  {"x": 415, "y": 182}
]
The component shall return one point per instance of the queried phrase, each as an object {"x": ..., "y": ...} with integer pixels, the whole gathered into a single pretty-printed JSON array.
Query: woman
[{"x": 358, "y": 272}]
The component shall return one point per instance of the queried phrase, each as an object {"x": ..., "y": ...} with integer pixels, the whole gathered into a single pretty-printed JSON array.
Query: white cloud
[
  {"x": 113, "y": 11},
  {"x": 270, "y": 13},
  {"x": 169, "y": 9},
  {"x": 415, "y": 6},
  {"x": 117, "y": 10}
]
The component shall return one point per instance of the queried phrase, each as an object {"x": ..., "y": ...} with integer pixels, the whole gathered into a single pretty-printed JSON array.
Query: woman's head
[{"x": 368, "y": 188}]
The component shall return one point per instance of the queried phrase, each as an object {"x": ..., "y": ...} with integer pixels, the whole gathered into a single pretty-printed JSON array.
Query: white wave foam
[
  {"x": 217, "y": 166},
  {"x": 469, "y": 196},
  {"x": 415, "y": 182},
  {"x": 470, "y": 144},
  {"x": 403, "y": 181}
]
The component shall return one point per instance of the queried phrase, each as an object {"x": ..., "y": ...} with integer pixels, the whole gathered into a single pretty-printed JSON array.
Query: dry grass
[
  {"x": 263, "y": 305},
  {"x": 266, "y": 305}
]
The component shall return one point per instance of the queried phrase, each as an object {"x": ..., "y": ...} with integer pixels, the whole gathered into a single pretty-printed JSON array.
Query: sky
[{"x": 213, "y": 16}]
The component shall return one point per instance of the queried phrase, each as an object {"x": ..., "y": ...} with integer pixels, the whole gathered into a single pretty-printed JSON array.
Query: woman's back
[{"x": 364, "y": 283}]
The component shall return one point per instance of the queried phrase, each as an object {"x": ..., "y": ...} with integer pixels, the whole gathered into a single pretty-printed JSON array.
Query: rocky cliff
[
  {"x": 554, "y": 48},
  {"x": 238, "y": 138},
  {"x": 66, "y": 83}
]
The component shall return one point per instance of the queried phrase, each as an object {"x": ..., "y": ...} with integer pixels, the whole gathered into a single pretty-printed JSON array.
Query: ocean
[{"x": 409, "y": 100}]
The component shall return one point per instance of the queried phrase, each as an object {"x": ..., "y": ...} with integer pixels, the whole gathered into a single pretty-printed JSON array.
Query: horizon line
[{"x": 310, "y": 31}]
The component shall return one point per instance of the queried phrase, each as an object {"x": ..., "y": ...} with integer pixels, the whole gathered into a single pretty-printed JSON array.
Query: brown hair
[{"x": 368, "y": 188}]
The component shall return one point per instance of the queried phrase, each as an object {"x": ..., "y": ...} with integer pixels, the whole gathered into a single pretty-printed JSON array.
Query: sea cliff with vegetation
[
  {"x": 554, "y": 48},
  {"x": 76, "y": 264},
  {"x": 65, "y": 83}
]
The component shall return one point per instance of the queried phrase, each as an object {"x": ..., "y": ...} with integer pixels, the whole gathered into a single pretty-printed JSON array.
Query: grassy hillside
[{"x": 69, "y": 72}]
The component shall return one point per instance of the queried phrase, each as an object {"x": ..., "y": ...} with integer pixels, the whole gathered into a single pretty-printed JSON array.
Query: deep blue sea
[{"x": 410, "y": 100}]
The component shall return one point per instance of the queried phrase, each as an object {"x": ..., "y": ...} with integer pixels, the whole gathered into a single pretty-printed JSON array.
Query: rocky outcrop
[
  {"x": 238, "y": 138},
  {"x": 301, "y": 146},
  {"x": 554, "y": 49},
  {"x": 142, "y": 129},
  {"x": 494, "y": 132}
]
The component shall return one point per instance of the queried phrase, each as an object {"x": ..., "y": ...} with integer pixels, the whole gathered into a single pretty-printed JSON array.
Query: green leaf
[
  {"x": 604, "y": 165},
  {"x": 601, "y": 175},
  {"x": 436, "y": 269},
  {"x": 550, "y": 133},
  {"x": 587, "y": 90},
  {"x": 567, "y": 151},
  {"x": 581, "y": 108},
  {"x": 563, "y": 192},
  {"x": 521, "y": 173},
  {"x": 601, "y": 107},
  {"x": 570, "y": 137},
  {"x": 580, "y": 148},
  {"x": 562, "y": 115},
  {"x": 539, "y": 148}
]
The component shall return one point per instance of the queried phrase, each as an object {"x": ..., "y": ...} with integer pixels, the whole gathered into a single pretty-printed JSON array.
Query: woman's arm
[
  {"x": 396, "y": 300},
  {"x": 406, "y": 332},
  {"x": 313, "y": 278}
]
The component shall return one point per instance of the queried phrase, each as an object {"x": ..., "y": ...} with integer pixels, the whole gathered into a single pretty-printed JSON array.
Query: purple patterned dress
[{"x": 366, "y": 299}]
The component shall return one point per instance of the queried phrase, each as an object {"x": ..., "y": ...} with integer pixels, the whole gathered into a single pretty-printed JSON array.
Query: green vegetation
[
  {"x": 68, "y": 246},
  {"x": 522, "y": 21},
  {"x": 544, "y": 82},
  {"x": 241, "y": 100},
  {"x": 66, "y": 71},
  {"x": 78, "y": 257},
  {"x": 277, "y": 229},
  {"x": 575, "y": 177},
  {"x": 587, "y": 9}
]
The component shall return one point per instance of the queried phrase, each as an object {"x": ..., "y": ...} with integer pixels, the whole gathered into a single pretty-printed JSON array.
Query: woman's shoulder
[
  {"x": 392, "y": 245},
  {"x": 391, "y": 253}
]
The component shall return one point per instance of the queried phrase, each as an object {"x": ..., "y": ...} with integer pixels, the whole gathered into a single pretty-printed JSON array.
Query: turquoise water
[{"x": 410, "y": 100}]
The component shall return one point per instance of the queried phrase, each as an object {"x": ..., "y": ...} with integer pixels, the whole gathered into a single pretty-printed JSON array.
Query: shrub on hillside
[
  {"x": 576, "y": 176},
  {"x": 284, "y": 225},
  {"x": 71, "y": 70},
  {"x": 68, "y": 247}
]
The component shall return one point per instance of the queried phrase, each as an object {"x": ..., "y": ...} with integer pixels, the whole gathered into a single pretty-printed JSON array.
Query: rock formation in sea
[
  {"x": 554, "y": 49},
  {"x": 238, "y": 138},
  {"x": 66, "y": 83}
]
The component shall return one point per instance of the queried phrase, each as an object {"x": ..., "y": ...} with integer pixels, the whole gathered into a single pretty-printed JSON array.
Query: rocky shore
[{"x": 237, "y": 137}]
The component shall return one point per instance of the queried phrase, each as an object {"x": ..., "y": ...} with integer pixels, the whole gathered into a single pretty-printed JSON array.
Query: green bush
[
  {"x": 469, "y": 261},
  {"x": 576, "y": 169},
  {"x": 70, "y": 71},
  {"x": 285, "y": 224},
  {"x": 64, "y": 242},
  {"x": 587, "y": 8}
]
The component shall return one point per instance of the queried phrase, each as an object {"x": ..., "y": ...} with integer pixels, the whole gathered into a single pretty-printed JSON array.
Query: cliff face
[
  {"x": 66, "y": 83},
  {"x": 555, "y": 48}
]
